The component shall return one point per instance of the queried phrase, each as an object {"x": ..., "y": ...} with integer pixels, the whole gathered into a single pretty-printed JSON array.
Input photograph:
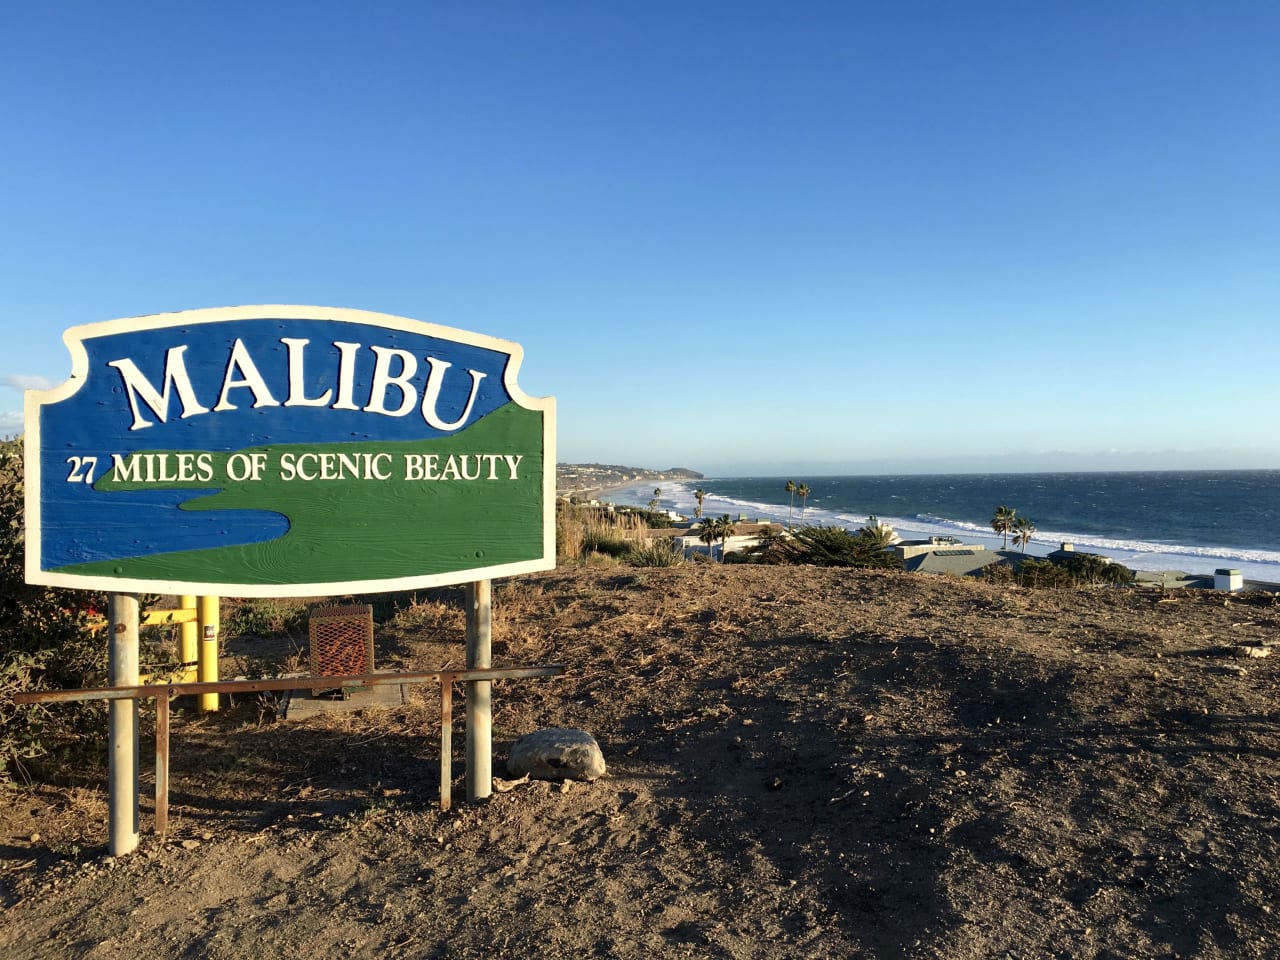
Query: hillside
[{"x": 803, "y": 763}]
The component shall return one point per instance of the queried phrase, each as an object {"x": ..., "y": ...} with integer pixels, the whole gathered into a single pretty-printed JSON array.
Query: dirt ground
[{"x": 802, "y": 763}]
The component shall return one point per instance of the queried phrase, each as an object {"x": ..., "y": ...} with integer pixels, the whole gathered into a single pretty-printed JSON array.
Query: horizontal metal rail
[
  {"x": 147, "y": 690},
  {"x": 152, "y": 618},
  {"x": 163, "y": 692}
]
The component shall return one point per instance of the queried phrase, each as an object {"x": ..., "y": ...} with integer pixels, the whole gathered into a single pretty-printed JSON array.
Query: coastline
[{"x": 678, "y": 496}]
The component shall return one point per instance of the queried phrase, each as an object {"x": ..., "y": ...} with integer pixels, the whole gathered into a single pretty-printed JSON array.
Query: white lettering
[
  {"x": 249, "y": 377},
  {"x": 297, "y": 381},
  {"x": 393, "y": 370},
  {"x": 383, "y": 380},
  {"x": 204, "y": 463},
  {"x": 175, "y": 377},
  {"x": 431, "y": 394},
  {"x": 239, "y": 467},
  {"x": 346, "y": 375},
  {"x": 126, "y": 471}
]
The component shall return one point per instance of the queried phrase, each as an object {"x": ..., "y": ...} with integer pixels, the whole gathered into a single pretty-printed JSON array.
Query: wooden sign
[{"x": 286, "y": 451}]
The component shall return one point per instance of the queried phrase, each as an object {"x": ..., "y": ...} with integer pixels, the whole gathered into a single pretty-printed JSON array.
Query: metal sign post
[
  {"x": 122, "y": 726},
  {"x": 479, "y": 706}
]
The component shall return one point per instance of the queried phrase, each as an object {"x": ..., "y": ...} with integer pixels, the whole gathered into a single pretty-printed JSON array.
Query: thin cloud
[
  {"x": 10, "y": 424},
  {"x": 22, "y": 381}
]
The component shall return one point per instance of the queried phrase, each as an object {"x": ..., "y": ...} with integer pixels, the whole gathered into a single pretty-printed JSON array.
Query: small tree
[
  {"x": 699, "y": 495},
  {"x": 656, "y": 501},
  {"x": 791, "y": 489},
  {"x": 802, "y": 492}
]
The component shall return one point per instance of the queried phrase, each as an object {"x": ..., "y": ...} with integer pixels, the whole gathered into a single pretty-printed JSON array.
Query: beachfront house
[
  {"x": 747, "y": 536},
  {"x": 956, "y": 561}
]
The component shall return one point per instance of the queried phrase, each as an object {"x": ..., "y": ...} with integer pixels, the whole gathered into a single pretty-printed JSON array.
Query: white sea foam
[{"x": 1263, "y": 565}]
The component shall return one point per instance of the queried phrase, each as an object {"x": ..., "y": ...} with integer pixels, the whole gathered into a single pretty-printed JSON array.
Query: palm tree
[
  {"x": 1024, "y": 529},
  {"x": 1002, "y": 522},
  {"x": 656, "y": 501},
  {"x": 724, "y": 529},
  {"x": 802, "y": 492},
  {"x": 709, "y": 535},
  {"x": 791, "y": 489},
  {"x": 876, "y": 535},
  {"x": 699, "y": 495}
]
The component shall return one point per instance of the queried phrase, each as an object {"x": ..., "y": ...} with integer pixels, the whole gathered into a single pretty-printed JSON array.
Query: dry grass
[{"x": 583, "y": 531}]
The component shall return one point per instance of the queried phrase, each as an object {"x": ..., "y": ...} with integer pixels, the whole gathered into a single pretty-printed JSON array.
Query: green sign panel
[{"x": 286, "y": 451}]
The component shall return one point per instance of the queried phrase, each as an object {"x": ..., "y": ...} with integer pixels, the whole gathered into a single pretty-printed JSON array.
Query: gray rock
[{"x": 556, "y": 753}]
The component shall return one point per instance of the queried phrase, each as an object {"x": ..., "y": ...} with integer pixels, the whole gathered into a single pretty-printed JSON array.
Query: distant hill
[{"x": 578, "y": 477}]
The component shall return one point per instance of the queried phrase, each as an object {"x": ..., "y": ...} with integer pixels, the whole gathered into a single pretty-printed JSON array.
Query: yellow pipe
[
  {"x": 161, "y": 618},
  {"x": 208, "y": 659},
  {"x": 188, "y": 639}
]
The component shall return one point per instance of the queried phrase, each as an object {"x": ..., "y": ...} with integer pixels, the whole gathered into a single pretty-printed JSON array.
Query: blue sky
[{"x": 740, "y": 237}]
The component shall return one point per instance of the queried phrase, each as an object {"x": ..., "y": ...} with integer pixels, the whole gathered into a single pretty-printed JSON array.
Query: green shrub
[
  {"x": 45, "y": 642},
  {"x": 1083, "y": 570},
  {"x": 835, "y": 547},
  {"x": 1088, "y": 568},
  {"x": 610, "y": 544},
  {"x": 656, "y": 552},
  {"x": 1043, "y": 574},
  {"x": 265, "y": 618}
]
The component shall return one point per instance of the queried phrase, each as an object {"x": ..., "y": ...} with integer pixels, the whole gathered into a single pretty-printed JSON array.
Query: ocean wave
[{"x": 1140, "y": 554}]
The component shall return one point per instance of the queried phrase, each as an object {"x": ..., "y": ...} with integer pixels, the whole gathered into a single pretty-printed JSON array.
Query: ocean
[{"x": 1193, "y": 521}]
